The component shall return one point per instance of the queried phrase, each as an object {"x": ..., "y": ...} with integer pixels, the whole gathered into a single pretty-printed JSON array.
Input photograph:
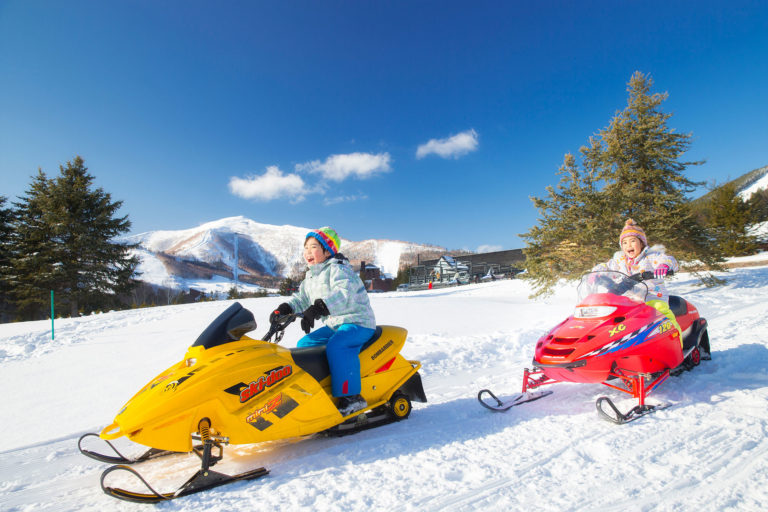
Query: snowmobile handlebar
[
  {"x": 628, "y": 282},
  {"x": 277, "y": 328},
  {"x": 648, "y": 275},
  {"x": 626, "y": 285}
]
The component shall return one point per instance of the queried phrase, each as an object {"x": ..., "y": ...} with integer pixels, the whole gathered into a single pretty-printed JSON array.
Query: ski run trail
[{"x": 707, "y": 452}]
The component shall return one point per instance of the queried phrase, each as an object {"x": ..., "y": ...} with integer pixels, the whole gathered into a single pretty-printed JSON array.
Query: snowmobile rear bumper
[{"x": 414, "y": 389}]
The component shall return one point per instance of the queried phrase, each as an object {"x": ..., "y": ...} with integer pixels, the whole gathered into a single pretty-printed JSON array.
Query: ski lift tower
[{"x": 235, "y": 266}]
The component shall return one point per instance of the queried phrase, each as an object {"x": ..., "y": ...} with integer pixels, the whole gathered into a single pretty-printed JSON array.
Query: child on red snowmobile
[
  {"x": 333, "y": 291},
  {"x": 635, "y": 256}
]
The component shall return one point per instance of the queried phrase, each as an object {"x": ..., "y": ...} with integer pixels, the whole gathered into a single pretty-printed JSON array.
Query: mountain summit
[{"x": 203, "y": 257}]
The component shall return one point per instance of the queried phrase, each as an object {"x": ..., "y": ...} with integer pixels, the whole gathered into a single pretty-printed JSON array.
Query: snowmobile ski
[
  {"x": 619, "y": 418},
  {"x": 119, "y": 458},
  {"x": 203, "y": 480},
  {"x": 520, "y": 398}
]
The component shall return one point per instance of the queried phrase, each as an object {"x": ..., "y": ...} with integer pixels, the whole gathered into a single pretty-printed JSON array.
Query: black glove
[
  {"x": 282, "y": 310},
  {"x": 314, "y": 311}
]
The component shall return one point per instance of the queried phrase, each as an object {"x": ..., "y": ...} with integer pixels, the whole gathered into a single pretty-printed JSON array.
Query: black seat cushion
[
  {"x": 678, "y": 305},
  {"x": 314, "y": 360}
]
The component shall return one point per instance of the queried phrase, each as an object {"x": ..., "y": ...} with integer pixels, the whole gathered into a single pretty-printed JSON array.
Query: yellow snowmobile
[{"x": 232, "y": 389}]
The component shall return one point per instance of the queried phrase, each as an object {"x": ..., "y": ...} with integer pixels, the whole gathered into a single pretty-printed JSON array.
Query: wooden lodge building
[
  {"x": 373, "y": 279},
  {"x": 468, "y": 268}
]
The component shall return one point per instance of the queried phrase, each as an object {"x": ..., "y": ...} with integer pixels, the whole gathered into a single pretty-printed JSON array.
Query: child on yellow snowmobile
[
  {"x": 333, "y": 291},
  {"x": 635, "y": 256}
]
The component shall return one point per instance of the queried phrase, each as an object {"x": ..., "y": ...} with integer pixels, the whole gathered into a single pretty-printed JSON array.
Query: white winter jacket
[
  {"x": 341, "y": 289},
  {"x": 648, "y": 259}
]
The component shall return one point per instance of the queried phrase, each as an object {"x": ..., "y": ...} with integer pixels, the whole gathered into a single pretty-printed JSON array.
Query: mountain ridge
[
  {"x": 203, "y": 257},
  {"x": 746, "y": 184}
]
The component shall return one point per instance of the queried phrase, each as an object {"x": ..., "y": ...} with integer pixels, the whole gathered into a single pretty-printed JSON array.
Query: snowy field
[{"x": 708, "y": 452}]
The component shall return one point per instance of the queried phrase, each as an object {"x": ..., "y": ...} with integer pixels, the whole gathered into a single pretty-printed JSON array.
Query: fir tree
[
  {"x": 632, "y": 168},
  {"x": 644, "y": 176},
  {"x": 570, "y": 226},
  {"x": 287, "y": 286},
  {"x": 35, "y": 261},
  {"x": 729, "y": 217},
  {"x": 6, "y": 246},
  {"x": 403, "y": 276},
  {"x": 66, "y": 231},
  {"x": 233, "y": 293},
  {"x": 757, "y": 204}
]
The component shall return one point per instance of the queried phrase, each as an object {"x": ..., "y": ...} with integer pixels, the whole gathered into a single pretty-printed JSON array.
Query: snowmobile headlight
[{"x": 594, "y": 311}]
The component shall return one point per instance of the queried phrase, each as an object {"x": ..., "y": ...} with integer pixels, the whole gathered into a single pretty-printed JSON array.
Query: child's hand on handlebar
[{"x": 282, "y": 310}]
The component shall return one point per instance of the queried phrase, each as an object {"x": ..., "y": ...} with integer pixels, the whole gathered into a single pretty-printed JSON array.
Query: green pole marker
[{"x": 51, "y": 315}]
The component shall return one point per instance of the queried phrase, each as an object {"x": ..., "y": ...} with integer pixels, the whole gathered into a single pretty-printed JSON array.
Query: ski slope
[{"x": 708, "y": 452}]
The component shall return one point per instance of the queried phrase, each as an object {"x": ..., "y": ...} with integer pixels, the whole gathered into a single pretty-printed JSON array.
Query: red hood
[{"x": 577, "y": 337}]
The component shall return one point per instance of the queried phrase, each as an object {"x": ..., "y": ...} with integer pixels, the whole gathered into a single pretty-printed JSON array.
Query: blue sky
[{"x": 425, "y": 121}]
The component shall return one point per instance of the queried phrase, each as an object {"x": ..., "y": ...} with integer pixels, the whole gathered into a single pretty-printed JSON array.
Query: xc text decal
[{"x": 616, "y": 330}]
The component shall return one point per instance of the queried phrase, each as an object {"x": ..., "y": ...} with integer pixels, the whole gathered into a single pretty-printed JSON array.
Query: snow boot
[{"x": 352, "y": 403}]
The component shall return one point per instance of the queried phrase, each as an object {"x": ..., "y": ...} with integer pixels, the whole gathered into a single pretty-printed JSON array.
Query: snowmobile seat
[
  {"x": 314, "y": 360},
  {"x": 677, "y": 305},
  {"x": 376, "y": 336}
]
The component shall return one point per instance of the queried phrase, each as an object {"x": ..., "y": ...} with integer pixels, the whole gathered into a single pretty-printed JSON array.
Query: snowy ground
[{"x": 707, "y": 452}]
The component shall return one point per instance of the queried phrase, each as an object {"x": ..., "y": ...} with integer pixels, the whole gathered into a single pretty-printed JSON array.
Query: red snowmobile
[{"x": 616, "y": 339}]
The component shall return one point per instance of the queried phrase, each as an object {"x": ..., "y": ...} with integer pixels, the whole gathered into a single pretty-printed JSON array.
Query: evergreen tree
[
  {"x": 631, "y": 168},
  {"x": 570, "y": 227},
  {"x": 403, "y": 276},
  {"x": 6, "y": 246},
  {"x": 757, "y": 205},
  {"x": 233, "y": 293},
  {"x": 66, "y": 231},
  {"x": 644, "y": 177},
  {"x": 35, "y": 260},
  {"x": 729, "y": 217},
  {"x": 287, "y": 286}
]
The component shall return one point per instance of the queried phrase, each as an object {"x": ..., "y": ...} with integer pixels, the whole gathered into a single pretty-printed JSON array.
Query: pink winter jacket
[{"x": 649, "y": 259}]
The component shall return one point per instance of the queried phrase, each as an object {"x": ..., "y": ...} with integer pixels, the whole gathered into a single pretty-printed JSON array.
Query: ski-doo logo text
[
  {"x": 382, "y": 349},
  {"x": 265, "y": 381}
]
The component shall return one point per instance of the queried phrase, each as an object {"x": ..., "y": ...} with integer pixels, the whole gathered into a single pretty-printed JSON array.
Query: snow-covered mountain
[
  {"x": 203, "y": 257},
  {"x": 753, "y": 182}
]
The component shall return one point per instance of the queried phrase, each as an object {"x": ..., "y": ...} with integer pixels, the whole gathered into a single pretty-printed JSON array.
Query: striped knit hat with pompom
[
  {"x": 327, "y": 238},
  {"x": 631, "y": 228}
]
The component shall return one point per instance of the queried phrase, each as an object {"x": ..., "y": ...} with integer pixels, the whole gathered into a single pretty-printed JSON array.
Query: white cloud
[
  {"x": 451, "y": 147},
  {"x": 341, "y": 167},
  {"x": 343, "y": 199},
  {"x": 273, "y": 184},
  {"x": 488, "y": 248}
]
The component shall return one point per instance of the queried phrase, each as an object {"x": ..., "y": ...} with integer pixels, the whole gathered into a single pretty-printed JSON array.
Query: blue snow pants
[{"x": 342, "y": 349}]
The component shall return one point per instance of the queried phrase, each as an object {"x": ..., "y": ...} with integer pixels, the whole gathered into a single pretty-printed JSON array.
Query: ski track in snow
[{"x": 708, "y": 452}]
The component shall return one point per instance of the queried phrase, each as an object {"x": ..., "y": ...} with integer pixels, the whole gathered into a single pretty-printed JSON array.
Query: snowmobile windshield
[
  {"x": 230, "y": 325},
  {"x": 612, "y": 282}
]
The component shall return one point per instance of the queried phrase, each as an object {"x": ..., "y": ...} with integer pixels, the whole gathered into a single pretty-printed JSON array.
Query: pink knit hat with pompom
[{"x": 631, "y": 228}]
